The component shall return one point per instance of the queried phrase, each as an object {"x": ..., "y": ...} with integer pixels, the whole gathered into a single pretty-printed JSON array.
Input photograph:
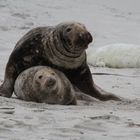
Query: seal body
[
  {"x": 44, "y": 84},
  {"x": 61, "y": 47}
]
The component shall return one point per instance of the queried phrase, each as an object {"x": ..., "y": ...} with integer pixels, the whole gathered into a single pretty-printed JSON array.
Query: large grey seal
[
  {"x": 62, "y": 47},
  {"x": 44, "y": 84}
]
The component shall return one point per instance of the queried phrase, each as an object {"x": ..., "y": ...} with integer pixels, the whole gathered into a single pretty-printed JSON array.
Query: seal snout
[
  {"x": 85, "y": 37},
  {"x": 89, "y": 37},
  {"x": 50, "y": 81}
]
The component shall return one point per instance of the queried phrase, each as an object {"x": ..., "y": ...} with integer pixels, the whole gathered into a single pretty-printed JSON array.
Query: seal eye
[
  {"x": 53, "y": 73},
  {"x": 68, "y": 30},
  {"x": 40, "y": 76}
]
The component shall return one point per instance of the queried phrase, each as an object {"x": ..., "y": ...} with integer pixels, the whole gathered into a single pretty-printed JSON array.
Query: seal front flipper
[
  {"x": 84, "y": 97},
  {"x": 4, "y": 92},
  {"x": 104, "y": 95},
  {"x": 7, "y": 87},
  {"x": 84, "y": 82}
]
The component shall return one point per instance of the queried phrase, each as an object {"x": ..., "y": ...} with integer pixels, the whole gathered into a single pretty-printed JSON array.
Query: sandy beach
[
  {"x": 110, "y": 22},
  {"x": 97, "y": 120}
]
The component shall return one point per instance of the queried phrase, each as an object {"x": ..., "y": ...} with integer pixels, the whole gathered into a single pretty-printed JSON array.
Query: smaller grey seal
[{"x": 46, "y": 85}]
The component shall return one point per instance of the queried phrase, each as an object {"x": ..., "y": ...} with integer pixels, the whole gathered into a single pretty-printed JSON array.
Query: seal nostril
[
  {"x": 50, "y": 81},
  {"x": 85, "y": 37},
  {"x": 40, "y": 76},
  {"x": 89, "y": 37},
  {"x": 68, "y": 29}
]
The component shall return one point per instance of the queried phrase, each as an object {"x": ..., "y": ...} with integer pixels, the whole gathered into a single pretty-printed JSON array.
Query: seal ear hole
[
  {"x": 68, "y": 30},
  {"x": 40, "y": 76}
]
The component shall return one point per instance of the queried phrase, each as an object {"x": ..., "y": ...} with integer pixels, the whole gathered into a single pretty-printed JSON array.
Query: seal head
[
  {"x": 65, "y": 45},
  {"x": 46, "y": 86},
  {"x": 75, "y": 35}
]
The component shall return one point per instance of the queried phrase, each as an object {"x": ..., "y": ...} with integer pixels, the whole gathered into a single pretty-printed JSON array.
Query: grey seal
[{"x": 61, "y": 47}]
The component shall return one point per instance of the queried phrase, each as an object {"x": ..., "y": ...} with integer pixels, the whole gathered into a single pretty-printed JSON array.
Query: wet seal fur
[
  {"x": 61, "y": 47},
  {"x": 46, "y": 85}
]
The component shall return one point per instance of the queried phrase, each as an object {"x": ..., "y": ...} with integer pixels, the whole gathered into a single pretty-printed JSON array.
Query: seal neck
[{"x": 57, "y": 52}]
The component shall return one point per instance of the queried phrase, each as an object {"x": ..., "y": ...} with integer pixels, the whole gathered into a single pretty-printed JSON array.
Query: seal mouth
[
  {"x": 86, "y": 38},
  {"x": 83, "y": 40},
  {"x": 50, "y": 82}
]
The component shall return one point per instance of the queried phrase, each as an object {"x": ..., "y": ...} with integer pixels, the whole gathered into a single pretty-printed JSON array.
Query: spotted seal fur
[{"x": 44, "y": 84}]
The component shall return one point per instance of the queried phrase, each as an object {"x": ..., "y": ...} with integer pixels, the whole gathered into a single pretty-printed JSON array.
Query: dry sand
[{"x": 111, "y": 22}]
